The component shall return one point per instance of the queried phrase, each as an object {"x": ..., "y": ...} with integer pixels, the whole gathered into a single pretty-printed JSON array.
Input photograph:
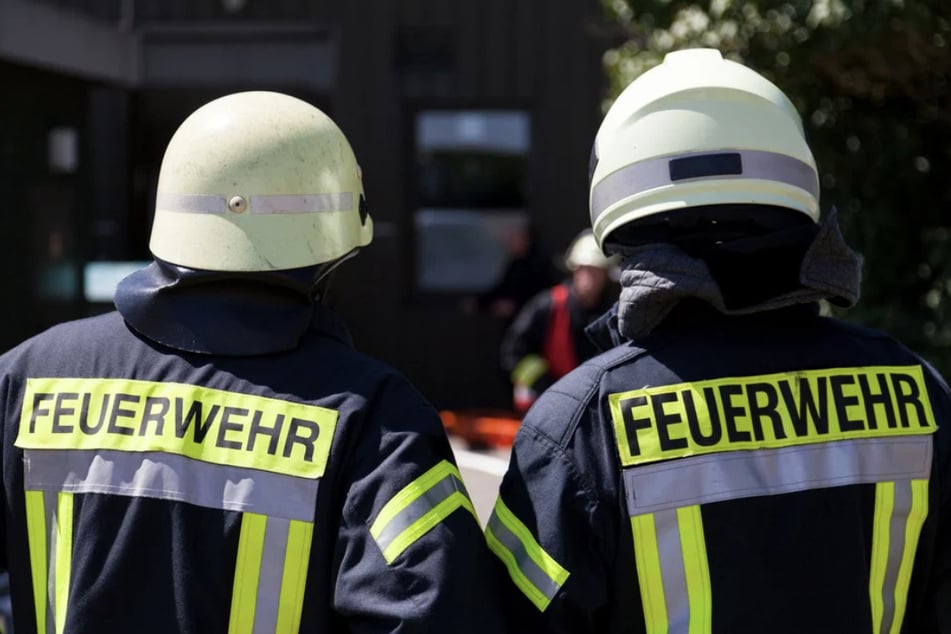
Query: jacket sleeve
[
  {"x": 411, "y": 553},
  {"x": 551, "y": 535}
]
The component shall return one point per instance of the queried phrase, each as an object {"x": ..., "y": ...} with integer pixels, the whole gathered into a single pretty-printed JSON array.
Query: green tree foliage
[{"x": 872, "y": 79}]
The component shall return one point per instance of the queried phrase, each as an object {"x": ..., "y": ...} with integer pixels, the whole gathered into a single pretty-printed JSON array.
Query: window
[{"x": 470, "y": 194}]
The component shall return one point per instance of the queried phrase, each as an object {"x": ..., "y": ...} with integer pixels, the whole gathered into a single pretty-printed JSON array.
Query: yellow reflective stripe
[
  {"x": 296, "y": 560},
  {"x": 519, "y": 578},
  {"x": 528, "y": 370},
  {"x": 410, "y": 514},
  {"x": 881, "y": 520},
  {"x": 649, "y": 575},
  {"x": 408, "y": 494},
  {"x": 247, "y": 571},
  {"x": 426, "y": 523},
  {"x": 64, "y": 557},
  {"x": 916, "y": 518},
  {"x": 210, "y": 425},
  {"x": 696, "y": 569},
  {"x": 36, "y": 533},
  {"x": 534, "y": 571},
  {"x": 542, "y": 559}
]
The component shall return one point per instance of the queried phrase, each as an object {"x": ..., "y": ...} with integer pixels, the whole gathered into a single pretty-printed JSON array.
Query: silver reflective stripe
[
  {"x": 191, "y": 203},
  {"x": 646, "y": 175},
  {"x": 741, "y": 474},
  {"x": 272, "y": 570},
  {"x": 171, "y": 477},
  {"x": 277, "y": 204},
  {"x": 538, "y": 577},
  {"x": 419, "y": 507},
  {"x": 672, "y": 566},
  {"x": 307, "y": 203}
]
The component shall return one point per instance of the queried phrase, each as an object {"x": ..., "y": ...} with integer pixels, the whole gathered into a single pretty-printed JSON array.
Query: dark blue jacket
[
  {"x": 181, "y": 492},
  {"x": 778, "y": 472}
]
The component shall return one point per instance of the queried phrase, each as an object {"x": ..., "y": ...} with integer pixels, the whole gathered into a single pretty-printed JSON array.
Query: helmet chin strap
[{"x": 323, "y": 273}]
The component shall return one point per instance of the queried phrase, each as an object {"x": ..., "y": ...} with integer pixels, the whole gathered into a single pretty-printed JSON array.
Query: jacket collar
[
  {"x": 232, "y": 314},
  {"x": 664, "y": 286}
]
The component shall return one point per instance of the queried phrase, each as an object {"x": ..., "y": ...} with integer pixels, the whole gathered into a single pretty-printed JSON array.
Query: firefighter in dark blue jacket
[
  {"x": 215, "y": 456},
  {"x": 735, "y": 462}
]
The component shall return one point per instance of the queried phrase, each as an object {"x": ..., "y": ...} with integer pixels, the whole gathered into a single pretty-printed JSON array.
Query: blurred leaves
[{"x": 872, "y": 80}]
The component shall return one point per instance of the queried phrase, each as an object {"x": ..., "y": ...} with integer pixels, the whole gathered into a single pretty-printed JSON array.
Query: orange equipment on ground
[{"x": 482, "y": 427}]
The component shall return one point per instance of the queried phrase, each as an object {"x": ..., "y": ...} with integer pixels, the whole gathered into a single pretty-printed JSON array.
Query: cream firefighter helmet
[
  {"x": 584, "y": 251},
  {"x": 258, "y": 181},
  {"x": 699, "y": 130}
]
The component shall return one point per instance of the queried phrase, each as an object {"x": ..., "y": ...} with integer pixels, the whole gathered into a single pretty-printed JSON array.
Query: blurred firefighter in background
[{"x": 547, "y": 339}]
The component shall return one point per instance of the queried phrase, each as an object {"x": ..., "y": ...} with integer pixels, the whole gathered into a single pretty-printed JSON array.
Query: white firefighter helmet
[
  {"x": 699, "y": 130},
  {"x": 585, "y": 251},
  {"x": 258, "y": 181}
]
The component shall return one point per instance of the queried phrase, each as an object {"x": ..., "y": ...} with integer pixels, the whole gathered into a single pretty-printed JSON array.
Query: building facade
[{"x": 471, "y": 121}]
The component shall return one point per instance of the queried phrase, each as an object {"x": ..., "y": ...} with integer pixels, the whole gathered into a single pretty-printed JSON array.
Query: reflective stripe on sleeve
[
  {"x": 534, "y": 571},
  {"x": 418, "y": 508},
  {"x": 270, "y": 575},
  {"x": 529, "y": 369},
  {"x": 900, "y": 511}
]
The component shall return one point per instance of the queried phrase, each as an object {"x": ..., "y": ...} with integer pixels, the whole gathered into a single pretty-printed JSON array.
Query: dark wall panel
[
  {"x": 510, "y": 53},
  {"x": 390, "y": 58}
]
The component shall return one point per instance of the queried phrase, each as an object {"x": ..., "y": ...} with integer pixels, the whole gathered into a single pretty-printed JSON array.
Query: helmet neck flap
[{"x": 227, "y": 313}]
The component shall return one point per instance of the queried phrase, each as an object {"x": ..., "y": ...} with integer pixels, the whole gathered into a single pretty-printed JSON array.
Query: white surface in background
[
  {"x": 482, "y": 474},
  {"x": 101, "y": 278}
]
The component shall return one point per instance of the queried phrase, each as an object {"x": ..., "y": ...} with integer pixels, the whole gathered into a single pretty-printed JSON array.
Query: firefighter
[
  {"x": 547, "y": 339},
  {"x": 736, "y": 462},
  {"x": 215, "y": 456}
]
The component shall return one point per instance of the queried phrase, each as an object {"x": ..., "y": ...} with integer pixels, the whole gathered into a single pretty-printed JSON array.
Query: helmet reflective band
[
  {"x": 699, "y": 130},
  {"x": 258, "y": 181}
]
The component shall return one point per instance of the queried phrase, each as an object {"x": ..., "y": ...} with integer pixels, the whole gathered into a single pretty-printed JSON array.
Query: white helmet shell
[
  {"x": 585, "y": 251},
  {"x": 699, "y": 130},
  {"x": 258, "y": 181}
]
